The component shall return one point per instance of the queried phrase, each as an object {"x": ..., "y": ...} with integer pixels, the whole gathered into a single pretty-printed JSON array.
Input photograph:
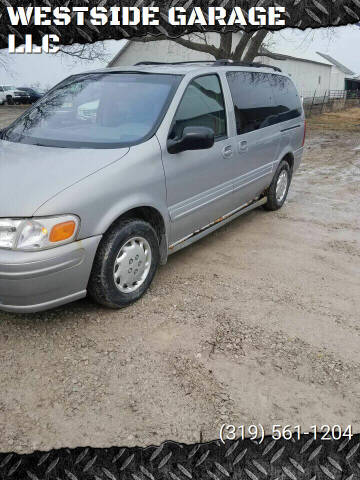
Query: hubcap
[
  {"x": 281, "y": 186},
  {"x": 132, "y": 265}
]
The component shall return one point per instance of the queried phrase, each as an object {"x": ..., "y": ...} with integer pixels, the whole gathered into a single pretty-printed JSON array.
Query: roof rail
[
  {"x": 215, "y": 63},
  {"x": 174, "y": 63},
  {"x": 225, "y": 62},
  {"x": 149, "y": 63}
]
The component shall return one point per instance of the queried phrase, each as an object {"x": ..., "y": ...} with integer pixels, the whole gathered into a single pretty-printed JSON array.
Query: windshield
[{"x": 107, "y": 110}]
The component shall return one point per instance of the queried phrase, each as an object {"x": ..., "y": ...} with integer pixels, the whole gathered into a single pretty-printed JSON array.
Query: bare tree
[
  {"x": 82, "y": 53},
  {"x": 35, "y": 85},
  {"x": 3, "y": 61},
  {"x": 243, "y": 48},
  {"x": 87, "y": 52}
]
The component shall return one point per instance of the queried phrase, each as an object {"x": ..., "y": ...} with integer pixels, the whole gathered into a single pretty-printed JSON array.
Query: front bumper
[{"x": 35, "y": 281}]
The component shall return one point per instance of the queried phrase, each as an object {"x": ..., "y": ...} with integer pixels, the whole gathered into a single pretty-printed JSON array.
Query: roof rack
[
  {"x": 214, "y": 63},
  {"x": 246, "y": 64},
  {"x": 174, "y": 63}
]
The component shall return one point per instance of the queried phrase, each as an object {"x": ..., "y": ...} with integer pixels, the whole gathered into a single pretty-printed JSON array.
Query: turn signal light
[{"x": 62, "y": 231}]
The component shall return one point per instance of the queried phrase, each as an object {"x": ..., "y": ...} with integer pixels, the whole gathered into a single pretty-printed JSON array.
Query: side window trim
[{"x": 219, "y": 137}]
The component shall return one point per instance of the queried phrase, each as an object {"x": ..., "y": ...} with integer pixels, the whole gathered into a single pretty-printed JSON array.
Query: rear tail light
[{"x": 303, "y": 143}]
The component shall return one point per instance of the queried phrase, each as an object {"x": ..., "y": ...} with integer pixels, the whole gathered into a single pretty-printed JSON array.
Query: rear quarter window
[{"x": 287, "y": 98}]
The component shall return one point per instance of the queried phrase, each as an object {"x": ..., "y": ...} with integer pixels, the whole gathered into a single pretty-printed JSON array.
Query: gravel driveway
[{"x": 258, "y": 322}]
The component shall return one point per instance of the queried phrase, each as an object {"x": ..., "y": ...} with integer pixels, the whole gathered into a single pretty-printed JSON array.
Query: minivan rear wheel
[
  {"x": 125, "y": 263},
  {"x": 279, "y": 187}
]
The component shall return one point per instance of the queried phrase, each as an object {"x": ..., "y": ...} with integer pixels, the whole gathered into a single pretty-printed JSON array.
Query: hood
[{"x": 30, "y": 175}]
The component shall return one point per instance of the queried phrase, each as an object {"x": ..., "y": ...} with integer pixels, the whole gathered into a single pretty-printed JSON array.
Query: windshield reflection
[{"x": 107, "y": 110}]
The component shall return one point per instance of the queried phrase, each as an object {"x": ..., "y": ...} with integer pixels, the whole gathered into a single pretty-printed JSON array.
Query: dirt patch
[
  {"x": 8, "y": 113},
  {"x": 258, "y": 322}
]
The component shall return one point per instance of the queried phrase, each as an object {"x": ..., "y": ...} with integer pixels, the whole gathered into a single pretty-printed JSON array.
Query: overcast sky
[{"x": 342, "y": 43}]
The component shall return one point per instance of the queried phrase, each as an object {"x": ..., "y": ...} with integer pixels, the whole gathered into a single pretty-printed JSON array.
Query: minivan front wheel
[
  {"x": 132, "y": 264},
  {"x": 279, "y": 187},
  {"x": 125, "y": 263}
]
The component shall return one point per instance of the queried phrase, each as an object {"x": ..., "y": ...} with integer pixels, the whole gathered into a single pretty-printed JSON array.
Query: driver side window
[{"x": 202, "y": 106}]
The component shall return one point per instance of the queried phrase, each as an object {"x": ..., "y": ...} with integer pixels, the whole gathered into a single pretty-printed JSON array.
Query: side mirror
[{"x": 193, "y": 138}]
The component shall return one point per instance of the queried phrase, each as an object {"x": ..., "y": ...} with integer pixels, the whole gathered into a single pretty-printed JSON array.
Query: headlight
[{"x": 38, "y": 233}]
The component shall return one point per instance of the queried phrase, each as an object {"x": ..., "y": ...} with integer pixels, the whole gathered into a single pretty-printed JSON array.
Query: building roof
[
  {"x": 120, "y": 52},
  {"x": 337, "y": 64},
  {"x": 354, "y": 79},
  {"x": 283, "y": 54},
  {"x": 291, "y": 54}
]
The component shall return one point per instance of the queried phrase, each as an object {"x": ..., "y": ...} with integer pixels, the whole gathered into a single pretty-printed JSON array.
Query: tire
[
  {"x": 111, "y": 285},
  {"x": 276, "y": 196},
  {"x": 10, "y": 100}
]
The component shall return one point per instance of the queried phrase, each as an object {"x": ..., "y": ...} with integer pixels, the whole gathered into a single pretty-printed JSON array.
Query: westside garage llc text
[{"x": 132, "y": 16}]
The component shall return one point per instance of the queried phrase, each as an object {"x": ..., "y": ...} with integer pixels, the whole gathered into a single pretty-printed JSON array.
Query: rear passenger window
[
  {"x": 262, "y": 99},
  {"x": 203, "y": 106},
  {"x": 254, "y": 101}
]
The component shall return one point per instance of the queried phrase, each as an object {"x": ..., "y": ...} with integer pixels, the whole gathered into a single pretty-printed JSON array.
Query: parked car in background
[
  {"x": 2, "y": 97},
  {"x": 12, "y": 95},
  {"x": 34, "y": 95}
]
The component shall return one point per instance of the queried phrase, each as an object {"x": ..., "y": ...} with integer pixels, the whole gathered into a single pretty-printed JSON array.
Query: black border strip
[
  {"x": 303, "y": 459},
  {"x": 247, "y": 459}
]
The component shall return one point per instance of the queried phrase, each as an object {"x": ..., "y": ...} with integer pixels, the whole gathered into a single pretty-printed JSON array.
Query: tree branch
[
  {"x": 248, "y": 47},
  {"x": 3, "y": 61},
  {"x": 86, "y": 52},
  {"x": 199, "y": 47},
  {"x": 225, "y": 45},
  {"x": 241, "y": 46},
  {"x": 256, "y": 42}
]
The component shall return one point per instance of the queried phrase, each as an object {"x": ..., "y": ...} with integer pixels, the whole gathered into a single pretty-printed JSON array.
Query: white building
[
  {"x": 313, "y": 73},
  {"x": 352, "y": 81}
]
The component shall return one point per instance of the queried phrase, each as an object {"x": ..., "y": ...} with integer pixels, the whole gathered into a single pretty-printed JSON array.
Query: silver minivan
[{"x": 115, "y": 169}]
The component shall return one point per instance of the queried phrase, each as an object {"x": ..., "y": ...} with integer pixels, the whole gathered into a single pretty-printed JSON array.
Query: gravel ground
[
  {"x": 10, "y": 113},
  {"x": 258, "y": 322}
]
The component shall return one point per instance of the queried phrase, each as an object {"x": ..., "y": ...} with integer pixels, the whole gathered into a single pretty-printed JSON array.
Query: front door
[{"x": 199, "y": 182}]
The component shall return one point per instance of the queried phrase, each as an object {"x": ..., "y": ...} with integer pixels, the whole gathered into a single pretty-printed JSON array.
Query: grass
[{"x": 343, "y": 120}]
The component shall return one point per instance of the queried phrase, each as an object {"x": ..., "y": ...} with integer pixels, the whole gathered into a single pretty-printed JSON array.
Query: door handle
[
  {"x": 243, "y": 146},
  {"x": 227, "y": 151}
]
